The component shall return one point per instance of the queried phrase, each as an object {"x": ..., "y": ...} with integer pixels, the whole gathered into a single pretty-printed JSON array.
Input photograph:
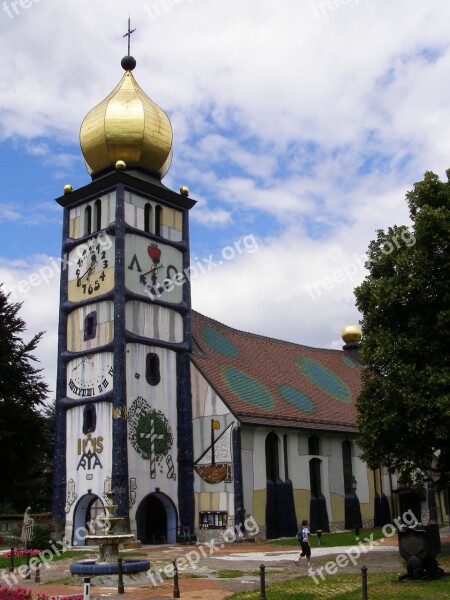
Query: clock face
[
  {"x": 153, "y": 270},
  {"x": 90, "y": 375},
  {"x": 91, "y": 270}
]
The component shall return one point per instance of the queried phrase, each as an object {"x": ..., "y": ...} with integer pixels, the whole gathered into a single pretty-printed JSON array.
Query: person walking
[{"x": 303, "y": 537}]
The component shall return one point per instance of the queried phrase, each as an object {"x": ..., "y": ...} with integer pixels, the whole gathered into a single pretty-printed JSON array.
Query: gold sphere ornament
[
  {"x": 121, "y": 164},
  {"x": 351, "y": 334},
  {"x": 68, "y": 188},
  {"x": 184, "y": 190}
]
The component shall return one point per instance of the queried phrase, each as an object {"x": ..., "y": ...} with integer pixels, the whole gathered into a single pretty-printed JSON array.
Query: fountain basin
[
  {"x": 90, "y": 567},
  {"x": 109, "y": 545}
]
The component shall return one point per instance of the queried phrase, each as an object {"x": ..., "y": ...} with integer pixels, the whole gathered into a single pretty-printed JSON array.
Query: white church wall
[
  {"x": 88, "y": 457},
  {"x": 152, "y": 429},
  {"x": 153, "y": 321}
]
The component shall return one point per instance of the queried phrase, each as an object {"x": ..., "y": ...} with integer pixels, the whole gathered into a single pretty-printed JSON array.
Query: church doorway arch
[
  {"x": 156, "y": 520},
  {"x": 88, "y": 508}
]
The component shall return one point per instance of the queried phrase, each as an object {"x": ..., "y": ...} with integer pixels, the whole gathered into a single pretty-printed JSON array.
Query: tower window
[
  {"x": 147, "y": 217},
  {"x": 90, "y": 326},
  {"x": 89, "y": 418},
  {"x": 97, "y": 215},
  {"x": 88, "y": 220},
  {"x": 152, "y": 371},
  {"x": 158, "y": 215},
  {"x": 314, "y": 445}
]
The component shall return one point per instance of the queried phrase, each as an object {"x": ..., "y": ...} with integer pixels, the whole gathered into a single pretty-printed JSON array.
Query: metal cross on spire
[{"x": 128, "y": 34}]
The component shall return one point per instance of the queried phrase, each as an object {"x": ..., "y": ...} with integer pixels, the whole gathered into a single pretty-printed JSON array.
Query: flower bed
[
  {"x": 23, "y": 594},
  {"x": 20, "y": 553}
]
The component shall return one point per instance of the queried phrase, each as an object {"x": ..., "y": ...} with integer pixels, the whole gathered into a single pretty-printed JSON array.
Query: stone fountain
[{"x": 112, "y": 535}]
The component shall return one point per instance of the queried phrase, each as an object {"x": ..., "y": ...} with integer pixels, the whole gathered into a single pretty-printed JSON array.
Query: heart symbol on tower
[{"x": 155, "y": 253}]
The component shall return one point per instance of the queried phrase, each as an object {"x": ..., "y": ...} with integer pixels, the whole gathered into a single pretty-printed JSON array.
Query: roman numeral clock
[{"x": 123, "y": 409}]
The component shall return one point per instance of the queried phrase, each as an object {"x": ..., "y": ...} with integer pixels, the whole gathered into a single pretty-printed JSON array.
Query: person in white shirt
[{"x": 303, "y": 537}]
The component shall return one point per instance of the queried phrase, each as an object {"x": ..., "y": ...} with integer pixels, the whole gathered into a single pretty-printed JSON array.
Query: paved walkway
[{"x": 205, "y": 564}]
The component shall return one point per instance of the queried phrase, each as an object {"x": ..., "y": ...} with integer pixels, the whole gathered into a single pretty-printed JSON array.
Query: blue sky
[{"x": 298, "y": 124}]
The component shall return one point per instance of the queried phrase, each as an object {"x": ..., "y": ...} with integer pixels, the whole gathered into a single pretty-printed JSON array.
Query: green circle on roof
[
  {"x": 248, "y": 389},
  {"x": 218, "y": 342},
  {"x": 324, "y": 379},
  {"x": 296, "y": 398},
  {"x": 348, "y": 362}
]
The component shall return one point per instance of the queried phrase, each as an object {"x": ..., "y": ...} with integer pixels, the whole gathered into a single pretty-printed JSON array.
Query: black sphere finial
[{"x": 128, "y": 63}]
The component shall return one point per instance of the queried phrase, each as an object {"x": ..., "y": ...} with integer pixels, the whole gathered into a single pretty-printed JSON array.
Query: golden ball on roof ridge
[
  {"x": 68, "y": 188},
  {"x": 127, "y": 126},
  {"x": 351, "y": 334},
  {"x": 121, "y": 164},
  {"x": 184, "y": 190}
]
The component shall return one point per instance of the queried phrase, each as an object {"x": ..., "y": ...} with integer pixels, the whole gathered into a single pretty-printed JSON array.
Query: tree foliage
[
  {"x": 24, "y": 429},
  {"x": 404, "y": 405}
]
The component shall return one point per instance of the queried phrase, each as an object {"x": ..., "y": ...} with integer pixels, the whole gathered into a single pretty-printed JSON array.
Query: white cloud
[
  {"x": 35, "y": 283},
  {"x": 307, "y": 130}
]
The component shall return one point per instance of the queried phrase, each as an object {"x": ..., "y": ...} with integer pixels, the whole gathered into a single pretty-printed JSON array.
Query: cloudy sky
[{"x": 299, "y": 126}]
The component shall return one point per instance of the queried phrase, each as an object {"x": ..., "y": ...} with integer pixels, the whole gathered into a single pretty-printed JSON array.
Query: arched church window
[
  {"x": 347, "y": 466},
  {"x": 87, "y": 220},
  {"x": 152, "y": 371},
  {"x": 97, "y": 215},
  {"x": 272, "y": 460},
  {"x": 315, "y": 477},
  {"x": 89, "y": 418},
  {"x": 158, "y": 215},
  {"x": 314, "y": 445},
  {"x": 147, "y": 217},
  {"x": 286, "y": 457}
]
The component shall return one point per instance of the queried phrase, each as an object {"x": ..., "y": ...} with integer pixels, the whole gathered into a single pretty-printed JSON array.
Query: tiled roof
[{"x": 273, "y": 382}]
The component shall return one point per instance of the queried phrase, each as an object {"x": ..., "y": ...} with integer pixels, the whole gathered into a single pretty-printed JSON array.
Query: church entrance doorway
[
  {"x": 156, "y": 520},
  {"x": 89, "y": 507}
]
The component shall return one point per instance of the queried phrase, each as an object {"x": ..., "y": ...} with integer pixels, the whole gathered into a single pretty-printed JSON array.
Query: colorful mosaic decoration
[
  {"x": 249, "y": 389},
  {"x": 324, "y": 379},
  {"x": 348, "y": 362},
  {"x": 218, "y": 342},
  {"x": 149, "y": 433},
  {"x": 296, "y": 398}
]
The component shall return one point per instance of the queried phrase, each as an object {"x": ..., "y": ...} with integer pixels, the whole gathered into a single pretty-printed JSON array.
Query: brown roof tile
[{"x": 267, "y": 381}]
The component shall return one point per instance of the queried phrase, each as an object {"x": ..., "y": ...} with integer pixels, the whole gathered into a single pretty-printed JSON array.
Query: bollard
[
  {"x": 120, "y": 587},
  {"x": 11, "y": 561},
  {"x": 262, "y": 572},
  {"x": 176, "y": 589},
  {"x": 364, "y": 583},
  {"x": 87, "y": 588},
  {"x": 37, "y": 573},
  {"x": 27, "y": 560}
]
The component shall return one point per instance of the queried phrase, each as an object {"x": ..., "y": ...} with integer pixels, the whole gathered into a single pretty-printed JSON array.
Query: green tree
[
  {"x": 404, "y": 405},
  {"x": 24, "y": 430}
]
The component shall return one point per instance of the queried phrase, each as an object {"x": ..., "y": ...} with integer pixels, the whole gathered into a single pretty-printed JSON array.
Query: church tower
[{"x": 123, "y": 408}]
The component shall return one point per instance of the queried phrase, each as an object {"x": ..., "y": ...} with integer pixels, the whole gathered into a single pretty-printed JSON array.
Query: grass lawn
[
  {"x": 381, "y": 586},
  {"x": 345, "y": 538}
]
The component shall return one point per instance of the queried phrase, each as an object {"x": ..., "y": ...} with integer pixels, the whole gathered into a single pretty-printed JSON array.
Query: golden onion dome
[
  {"x": 128, "y": 127},
  {"x": 351, "y": 334}
]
